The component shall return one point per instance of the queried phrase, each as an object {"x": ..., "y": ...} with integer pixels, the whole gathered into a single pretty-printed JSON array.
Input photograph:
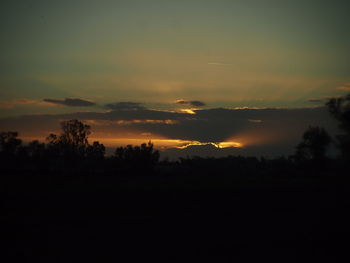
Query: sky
[{"x": 158, "y": 70}]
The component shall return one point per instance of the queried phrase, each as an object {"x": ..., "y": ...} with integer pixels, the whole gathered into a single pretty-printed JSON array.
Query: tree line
[{"x": 71, "y": 150}]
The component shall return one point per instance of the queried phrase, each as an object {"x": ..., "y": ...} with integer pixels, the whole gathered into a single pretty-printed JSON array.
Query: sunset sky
[{"x": 180, "y": 72}]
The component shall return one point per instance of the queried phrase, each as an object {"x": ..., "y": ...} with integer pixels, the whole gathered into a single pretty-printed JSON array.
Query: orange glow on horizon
[
  {"x": 230, "y": 144},
  {"x": 219, "y": 145},
  {"x": 260, "y": 136},
  {"x": 188, "y": 111},
  {"x": 159, "y": 142}
]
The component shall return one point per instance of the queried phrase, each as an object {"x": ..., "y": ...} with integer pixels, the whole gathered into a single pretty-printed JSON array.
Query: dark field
[{"x": 178, "y": 213}]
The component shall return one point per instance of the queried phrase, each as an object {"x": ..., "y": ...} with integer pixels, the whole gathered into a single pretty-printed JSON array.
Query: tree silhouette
[
  {"x": 35, "y": 150},
  {"x": 340, "y": 110},
  {"x": 96, "y": 151},
  {"x": 314, "y": 145},
  {"x": 75, "y": 132},
  {"x": 36, "y": 153},
  {"x": 72, "y": 142},
  {"x": 9, "y": 142},
  {"x": 9, "y": 148},
  {"x": 138, "y": 157}
]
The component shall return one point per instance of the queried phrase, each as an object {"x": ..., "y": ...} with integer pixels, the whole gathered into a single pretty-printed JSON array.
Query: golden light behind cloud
[
  {"x": 219, "y": 145},
  {"x": 159, "y": 143}
]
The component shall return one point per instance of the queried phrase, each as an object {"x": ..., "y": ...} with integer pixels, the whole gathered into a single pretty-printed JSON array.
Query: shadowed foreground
[{"x": 178, "y": 213}]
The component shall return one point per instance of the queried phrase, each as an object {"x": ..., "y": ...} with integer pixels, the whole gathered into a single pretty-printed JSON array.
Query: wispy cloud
[
  {"x": 71, "y": 102},
  {"x": 255, "y": 121},
  {"x": 10, "y": 104},
  {"x": 345, "y": 87},
  {"x": 322, "y": 99}
]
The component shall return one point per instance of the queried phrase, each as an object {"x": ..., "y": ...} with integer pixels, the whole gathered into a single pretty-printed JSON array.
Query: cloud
[
  {"x": 255, "y": 121},
  {"x": 125, "y": 106},
  {"x": 345, "y": 87},
  {"x": 20, "y": 102},
  {"x": 128, "y": 122},
  {"x": 195, "y": 103},
  {"x": 322, "y": 99},
  {"x": 72, "y": 102}
]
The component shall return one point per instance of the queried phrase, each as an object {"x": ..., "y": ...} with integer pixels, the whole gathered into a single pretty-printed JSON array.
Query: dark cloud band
[
  {"x": 195, "y": 103},
  {"x": 71, "y": 102},
  {"x": 253, "y": 127},
  {"x": 125, "y": 106}
]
